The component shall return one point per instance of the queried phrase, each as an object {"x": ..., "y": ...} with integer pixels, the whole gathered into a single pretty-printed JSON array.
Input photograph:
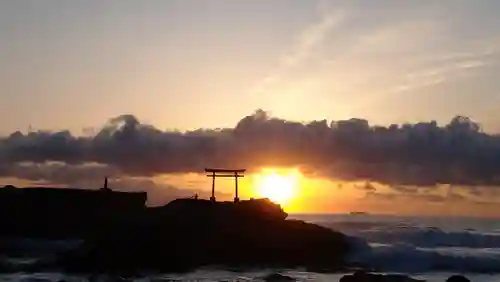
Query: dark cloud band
[{"x": 410, "y": 154}]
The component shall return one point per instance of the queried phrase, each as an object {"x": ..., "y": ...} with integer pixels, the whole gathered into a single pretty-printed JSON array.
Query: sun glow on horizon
[{"x": 280, "y": 188}]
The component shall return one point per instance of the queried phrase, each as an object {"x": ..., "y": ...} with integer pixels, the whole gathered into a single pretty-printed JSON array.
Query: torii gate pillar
[{"x": 236, "y": 173}]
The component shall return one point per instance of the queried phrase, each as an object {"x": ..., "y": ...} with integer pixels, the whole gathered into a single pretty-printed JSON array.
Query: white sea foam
[
  {"x": 411, "y": 259},
  {"x": 421, "y": 246}
]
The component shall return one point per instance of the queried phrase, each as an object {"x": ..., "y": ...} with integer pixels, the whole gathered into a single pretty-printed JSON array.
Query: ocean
[{"x": 431, "y": 248}]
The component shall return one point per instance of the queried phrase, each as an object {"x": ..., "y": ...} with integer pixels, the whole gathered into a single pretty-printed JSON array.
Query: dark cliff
[
  {"x": 61, "y": 213},
  {"x": 122, "y": 234}
]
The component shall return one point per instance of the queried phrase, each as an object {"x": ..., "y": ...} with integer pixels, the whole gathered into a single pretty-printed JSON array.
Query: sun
[{"x": 279, "y": 188}]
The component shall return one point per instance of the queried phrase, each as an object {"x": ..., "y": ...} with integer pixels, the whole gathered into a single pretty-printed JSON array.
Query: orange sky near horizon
[
  {"x": 316, "y": 195},
  {"x": 320, "y": 195}
]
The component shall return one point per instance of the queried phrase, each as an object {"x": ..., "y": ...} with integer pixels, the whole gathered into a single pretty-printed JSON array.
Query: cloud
[
  {"x": 310, "y": 37},
  {"x": 376, "y": 56},
  {"x": 421, "y": 154},
  {"x": 367, "y": 186},
  {"x": 428, "y": 198},
  {"x": 441, "y": 71},
  {"x": 435, "y": 195},
  {"x": 406, "y": 189}
]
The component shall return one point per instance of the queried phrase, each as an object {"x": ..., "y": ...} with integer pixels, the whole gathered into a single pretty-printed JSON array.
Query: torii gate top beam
[{"x": 221, "y": 170}]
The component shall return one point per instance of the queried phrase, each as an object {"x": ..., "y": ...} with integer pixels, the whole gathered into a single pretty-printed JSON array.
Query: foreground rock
[
  {"x": 276, "y": 277},
  {"x": 120, "y": 233},
  {"x": 187, "y": 234},
  {"x": 457, "y": 278},
  {"x": 361, "y": 276}
]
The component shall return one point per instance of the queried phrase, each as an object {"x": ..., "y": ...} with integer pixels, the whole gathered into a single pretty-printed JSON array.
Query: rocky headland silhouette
[{"x": 121, "y": 234}]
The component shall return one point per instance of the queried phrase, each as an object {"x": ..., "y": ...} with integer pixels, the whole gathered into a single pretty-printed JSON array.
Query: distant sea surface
[{"x": 431, "y": 248}]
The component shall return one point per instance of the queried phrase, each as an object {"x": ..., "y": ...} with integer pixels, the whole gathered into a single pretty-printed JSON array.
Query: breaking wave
[
  {"x": 432, "y": 237},
  {"x": 413, "y": 248},
  {"x": 411, "y": 259}
]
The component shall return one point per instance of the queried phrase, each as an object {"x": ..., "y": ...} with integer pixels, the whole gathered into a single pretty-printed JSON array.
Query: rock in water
[
  {"x": 276, "y": 277},
  {"x": 108, "y": 279},
  {"x": 361, "y": 276},
  {"x": 457, "y": 278}
]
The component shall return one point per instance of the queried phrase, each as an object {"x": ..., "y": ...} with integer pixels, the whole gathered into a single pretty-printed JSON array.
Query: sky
[{"x": 141, "y": 85}]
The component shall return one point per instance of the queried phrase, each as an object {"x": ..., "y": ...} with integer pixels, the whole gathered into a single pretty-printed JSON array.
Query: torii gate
[{"x": 217, "y": 172}]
